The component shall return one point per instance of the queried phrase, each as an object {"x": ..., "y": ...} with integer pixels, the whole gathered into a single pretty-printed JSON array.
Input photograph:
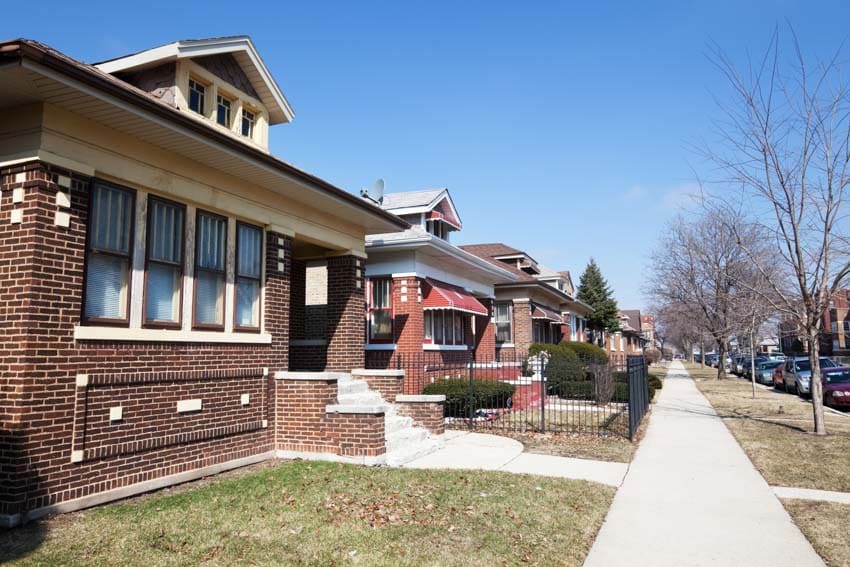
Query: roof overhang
[
  {"x": 31, "y": 73},
  {"x": 442, "y": 250},
  {"x": 242, "y": 49}
]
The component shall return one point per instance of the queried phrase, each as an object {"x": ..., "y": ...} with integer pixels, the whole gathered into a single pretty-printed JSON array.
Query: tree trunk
[
  {"x": 816, "y": 384},
  {"x": 721, "y": 360},
  {"x": 753, "y": 363},
  {"x": 702, "y": 352}
]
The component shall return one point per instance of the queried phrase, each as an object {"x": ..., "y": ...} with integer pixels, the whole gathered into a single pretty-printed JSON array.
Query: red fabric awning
[
  {"x": 538, "y": 312},
  {"x": 440, "y": 295}
]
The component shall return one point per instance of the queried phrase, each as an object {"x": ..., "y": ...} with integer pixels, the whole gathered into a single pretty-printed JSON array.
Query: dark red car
[{"x": 836, "y": 387}]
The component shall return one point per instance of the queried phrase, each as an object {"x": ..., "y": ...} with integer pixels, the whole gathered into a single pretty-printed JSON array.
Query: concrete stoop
[{"x": 405, "y": 441}]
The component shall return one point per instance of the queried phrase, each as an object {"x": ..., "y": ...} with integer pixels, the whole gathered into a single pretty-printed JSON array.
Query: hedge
[
  {"x": 488, "y": 394},
  {"x": 587, "y": 352}
]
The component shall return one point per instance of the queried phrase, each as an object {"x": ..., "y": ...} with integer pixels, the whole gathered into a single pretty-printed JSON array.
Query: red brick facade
[{"x": 58, "y": 441}]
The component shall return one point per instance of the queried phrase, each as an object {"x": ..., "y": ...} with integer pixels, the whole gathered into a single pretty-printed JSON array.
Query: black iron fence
[{"x": 529, "y": 393}]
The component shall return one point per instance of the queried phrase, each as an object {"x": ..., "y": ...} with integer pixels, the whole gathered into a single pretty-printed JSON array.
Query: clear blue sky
[{"x": 560, "y": 128}]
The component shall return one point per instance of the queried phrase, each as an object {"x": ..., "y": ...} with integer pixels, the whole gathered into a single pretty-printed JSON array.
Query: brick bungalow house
[
  {"x": 629, "y": 339},
  {"x": 537, "y": 308},
  {"x": 154, "y": 258},
  {"x": 426, "y": 298}
]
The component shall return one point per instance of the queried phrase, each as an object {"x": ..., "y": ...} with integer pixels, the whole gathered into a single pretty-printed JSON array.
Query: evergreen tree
[{"x": 594, "y": 290}]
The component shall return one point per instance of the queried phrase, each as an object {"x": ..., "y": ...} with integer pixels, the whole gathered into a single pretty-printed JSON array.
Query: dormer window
[
  {"x": 438, "y": 229},
  {"x": 197, "y": 96},
  {"x": 248, "y": 121},
  {"x": 223, "y": 110}
]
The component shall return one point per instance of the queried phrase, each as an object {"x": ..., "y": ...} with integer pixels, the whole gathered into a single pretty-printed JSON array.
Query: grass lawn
[
  {"x": 326, "y": 514},
  {"x": 825, "y": 524},
  {"x": 775, "y": 431}
]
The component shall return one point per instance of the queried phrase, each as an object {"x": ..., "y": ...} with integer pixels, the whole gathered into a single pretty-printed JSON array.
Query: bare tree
[
  {"x": 676, "y": 322},
  {"x": 700, "y": 263},
  {"x": 785, "y": 144}
]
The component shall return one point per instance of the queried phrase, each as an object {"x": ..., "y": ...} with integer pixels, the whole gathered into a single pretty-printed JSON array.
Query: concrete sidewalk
[
  {"x": 692, "y": 497},
  {"x": 479, "y": 451}
]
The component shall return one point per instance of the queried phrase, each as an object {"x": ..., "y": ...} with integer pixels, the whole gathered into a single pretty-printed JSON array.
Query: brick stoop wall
[
  {"x": 426, "y": 411},
  {"x": 388, "y": 383},
  {"x": 308, "y": 420}
]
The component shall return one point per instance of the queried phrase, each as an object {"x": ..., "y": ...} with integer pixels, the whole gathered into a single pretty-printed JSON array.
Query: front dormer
[
  {"x": 431, "y": 211},
  {"x": 221, "y": 82}
]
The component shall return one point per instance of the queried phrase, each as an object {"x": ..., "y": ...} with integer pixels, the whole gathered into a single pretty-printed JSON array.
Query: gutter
[
  {"x": 425, "y": 240},
  {"x": 75, "y": 70}
]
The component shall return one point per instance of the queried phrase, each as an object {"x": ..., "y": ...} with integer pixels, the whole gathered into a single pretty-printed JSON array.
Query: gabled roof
[
  {"x": 632, "y": 318},
  {"x": 22, "y": 59},
  {"x": 435, "y": 202},
  {"x": 240, "y": 47},
  {"x": 424, "y": 199}
]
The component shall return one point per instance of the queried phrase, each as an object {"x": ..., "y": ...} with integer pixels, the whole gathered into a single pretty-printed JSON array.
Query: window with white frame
[
  {"x": 249, "y": 246},
  {"x": 210, "y": 251},
  {"x": 380, "y": 310},
  {"x": 197, "y": 96},
  {"x": 445, "y": 327},
  {"x": 248, "y": 120},
  {"x": 164, "y": 274},
  {"x": 108, "y": 255},
  {"x": 503, "y": 317},
  {"x": 223, "y": 108},
  {"x": 110, "y": 264}
]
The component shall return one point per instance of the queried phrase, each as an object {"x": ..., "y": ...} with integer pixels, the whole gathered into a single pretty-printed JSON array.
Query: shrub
[
  {"x": 653, "y": 355},
  {"x": 655, "y": 382},
  {"x": 582, "y": 390},
  {"x": 588, "y": 353},
  {"x": 621, "y": 392},
  {"x": 488, "y": 394}
]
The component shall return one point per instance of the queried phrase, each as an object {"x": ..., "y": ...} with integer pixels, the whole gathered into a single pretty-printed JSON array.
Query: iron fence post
[
  {"x": 472, "y": 391},
  {"x": 542, "y": 393}
]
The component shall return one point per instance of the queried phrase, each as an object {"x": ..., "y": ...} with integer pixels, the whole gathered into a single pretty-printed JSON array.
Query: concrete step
[
  {"x": 398, "y": 440},
  {"x": 409, "y": 453},
  {"x": 393, "y": 423},
  {"x": 352, "y": 387},
  {"x": 367, "y": 398}
]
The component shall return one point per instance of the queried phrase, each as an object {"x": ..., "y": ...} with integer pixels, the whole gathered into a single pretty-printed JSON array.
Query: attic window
[
  {"x": 223, "y": 106},
  {"x": 438, "y": 229},
  {"x": 248, "y": 121},
  {"x": 197, "y": 96}
]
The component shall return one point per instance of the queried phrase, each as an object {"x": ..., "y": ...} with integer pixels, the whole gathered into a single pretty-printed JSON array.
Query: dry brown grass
[
  {"x": 825, "y": 525},
  {"x": 302, "y": 513},
  {"x": 775, "y": 430}
]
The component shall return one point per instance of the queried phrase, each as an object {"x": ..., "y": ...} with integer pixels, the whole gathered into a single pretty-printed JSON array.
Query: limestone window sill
[
  {"x": 122, "y": 334},
  {"x": 445, "y": 347}
]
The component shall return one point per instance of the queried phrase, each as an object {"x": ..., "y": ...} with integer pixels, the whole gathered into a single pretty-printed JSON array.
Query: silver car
[
  {"x": 764, "y": 371},
  {"x": 798, "y": 373}
]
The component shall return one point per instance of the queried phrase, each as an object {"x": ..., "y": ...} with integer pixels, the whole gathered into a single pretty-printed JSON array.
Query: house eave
[
  {"x": 423, "y": 241},
  {"x": 44, "y": 61}
]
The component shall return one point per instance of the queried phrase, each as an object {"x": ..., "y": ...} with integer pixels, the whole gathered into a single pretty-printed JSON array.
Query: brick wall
[
  {"x": 45, "y": 414},
  {"x": 388, "y": 383},
  {"x": 346, "y": 308},
  {"x": 425, "y": 414},
  {"x": 523, "y": 336},
  {"x": 304, "y": 425}
]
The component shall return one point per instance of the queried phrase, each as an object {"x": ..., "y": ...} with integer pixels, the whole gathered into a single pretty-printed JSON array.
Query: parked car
[
  {"x": 776, "y": 376},
  {"x": 748, "y": 366},
  {"x": 764, "y": 371},
  {"x": 776, "y": 356},
  {"x": 836, "y": 387},
  {"x": 797, "y": 374}
]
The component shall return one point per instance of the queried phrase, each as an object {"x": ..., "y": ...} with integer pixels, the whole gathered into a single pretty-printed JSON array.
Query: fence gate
[{"x": 638, "y": 392}]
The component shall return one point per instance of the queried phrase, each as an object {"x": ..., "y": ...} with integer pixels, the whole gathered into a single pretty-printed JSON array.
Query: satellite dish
[
  {"x": 378, "y": 190},
  {"x": 376, "y": 193}
]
